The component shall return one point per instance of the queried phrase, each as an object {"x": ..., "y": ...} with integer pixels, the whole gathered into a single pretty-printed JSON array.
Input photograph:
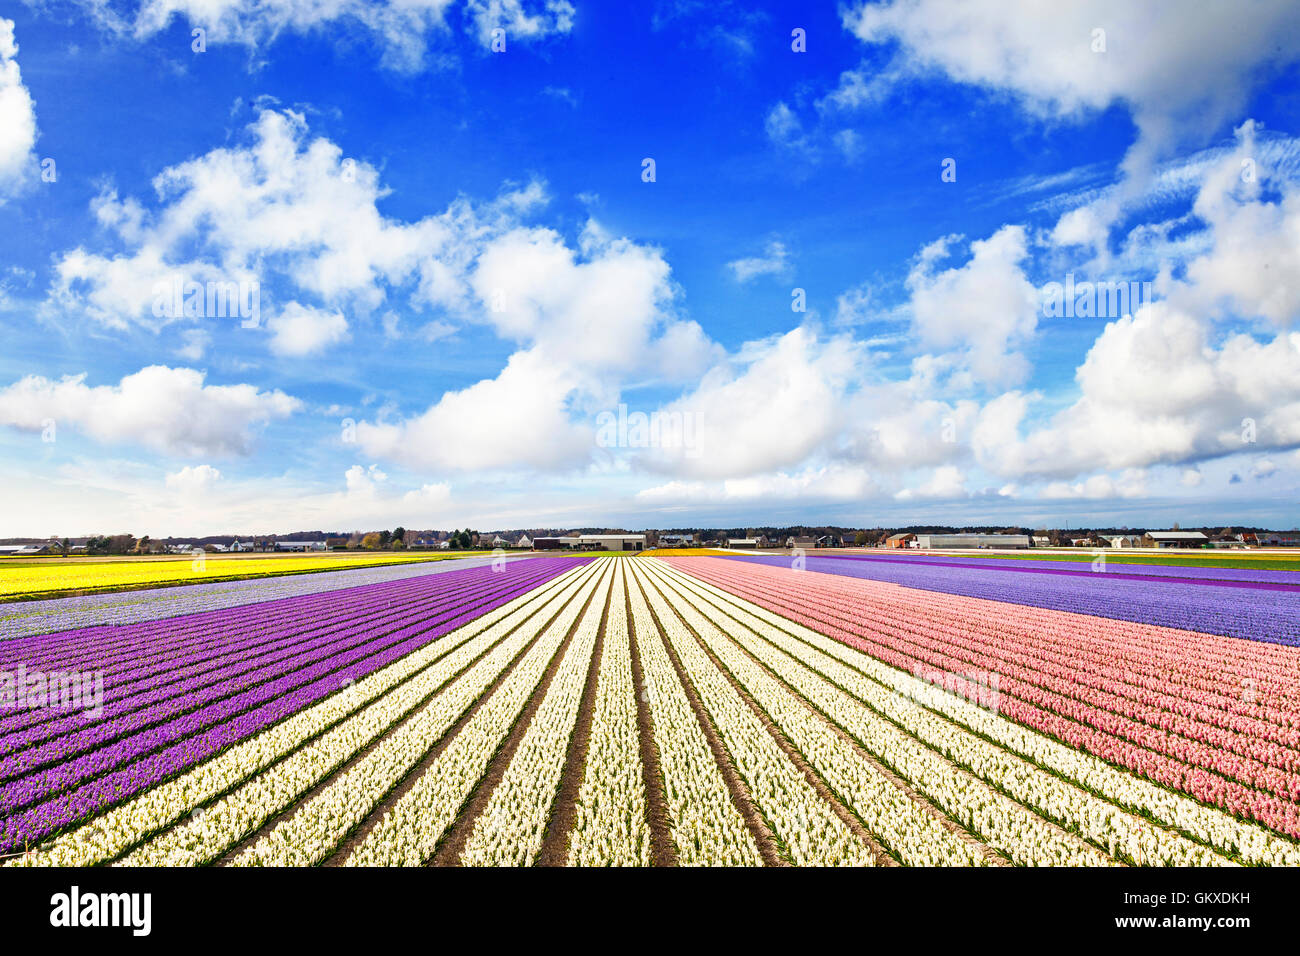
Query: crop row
[{"x": 922, "y": 643}]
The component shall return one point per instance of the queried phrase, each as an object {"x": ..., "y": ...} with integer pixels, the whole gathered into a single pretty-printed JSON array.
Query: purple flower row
[
  {"x": 1271, "y": 614},
  {"x": 1114, "y": 566},
  {"x": 257, "y": 636},
  {"x": 25, "y": 618},
  {"x": 153, "y": 707},
  {"x": 135, "y": 773}
]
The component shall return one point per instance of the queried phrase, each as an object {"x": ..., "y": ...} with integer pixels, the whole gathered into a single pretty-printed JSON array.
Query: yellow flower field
[{"x": 46, "y": 577}]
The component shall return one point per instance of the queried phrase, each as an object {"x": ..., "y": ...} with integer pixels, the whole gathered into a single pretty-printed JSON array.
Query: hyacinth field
[{"x": 681, "y": 710}]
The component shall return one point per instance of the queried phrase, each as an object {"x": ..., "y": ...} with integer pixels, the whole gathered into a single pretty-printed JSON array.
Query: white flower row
[
  {"x": 510, "y": 828},
  {"x": 410, "y": 832},
  {"x": 214, "y": 829},
  {"x": 317, "y": 826},
  {"x": 1121, "y": 829},
  {"x": 707, "y": 828},
  {"x": 803, "y": 822},
  {"x": 1003, "y": 824},
  {"x": 122, "y": 827},
  {"x": 919, "y": 838},
  {"x": 609, "y": 827},
  {"x": 1101, "y": 821}
]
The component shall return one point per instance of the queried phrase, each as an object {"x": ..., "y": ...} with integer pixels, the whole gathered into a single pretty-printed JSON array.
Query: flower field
[
  {"x": 38, "y": 577},
  {"x": 687, "y": 710}
]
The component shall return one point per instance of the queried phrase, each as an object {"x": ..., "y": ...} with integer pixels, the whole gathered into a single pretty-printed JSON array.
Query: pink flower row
[{"x": 910, "y": 628}]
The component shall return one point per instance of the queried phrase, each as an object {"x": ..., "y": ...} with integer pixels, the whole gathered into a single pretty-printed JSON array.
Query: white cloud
[
  {"x": 194, "y": 344},
  {"x": 986, "y": 307},
  {"x": 774, "y": 404},
  {"x": 518, "y": 420},
  {"x": 193, "y": 481},
  {"x": 1132, "y": 484},
  {"x": 170, "y": 410},
  {"x": 946, "y": 481},
  {"x": 401, "y": 28},
  {"x": 17, "y": 119},
  {"x": 301, "y": 330},
  {"x": 775, "y": 260},
  {"x": 1180, "y": 76},
  {"x": 585, "y": 321}
]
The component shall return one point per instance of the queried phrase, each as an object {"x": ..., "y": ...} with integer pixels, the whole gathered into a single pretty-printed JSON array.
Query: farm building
[
  {"x": 1122, "y": 541},
  {"x": 972, "y": 541},
  {"x": 676, "y": 540},
  {"x": 613, "y": 542},
  {"x": 900, "y": 540},
  {"x": 301, "y": 546},
  {"x": 23, "y": 550},
  {"x": 743, "y": 544},
  {"x": 806, "y": 542},
  {"x": 1174, "y": 539},
  {"x": 1272, "y": 539},
  {"x": 524, "y": 542}
]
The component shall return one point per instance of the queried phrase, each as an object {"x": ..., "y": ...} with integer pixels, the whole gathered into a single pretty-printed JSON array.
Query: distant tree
[
  {"x": 371, "y": 541},
  {"x": 399, "y": 534},
  {"x": 861, "y": 538},
  {"x": 384, "y": 538}
]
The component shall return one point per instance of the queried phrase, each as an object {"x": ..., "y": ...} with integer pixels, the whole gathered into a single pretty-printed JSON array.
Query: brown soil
[
  {"x": 663, "y": 851},
  {"x": 763, "y": 838},
  {"x": 564, "y": 809},
  {"x": 457, "y": 835}
]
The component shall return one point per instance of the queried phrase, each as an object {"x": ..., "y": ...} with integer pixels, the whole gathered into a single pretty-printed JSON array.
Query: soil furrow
[
  {"x": 458, "y": 833},
  {"x": 740, "y": 796}
]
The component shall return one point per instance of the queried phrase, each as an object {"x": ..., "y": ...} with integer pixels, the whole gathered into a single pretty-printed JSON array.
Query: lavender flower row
[
  {"x": 1115, "y": 566},
  {"x": 147, "y": 669},
  {"x": 25, "y": 618},
  {"x": 1229, "y": 610},
  {"x": 36, "y": 822},
  {"x": 205, "y": 705}
]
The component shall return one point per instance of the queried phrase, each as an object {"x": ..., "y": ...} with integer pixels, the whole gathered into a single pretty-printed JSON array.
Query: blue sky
[{"x": 459, "y": 268}]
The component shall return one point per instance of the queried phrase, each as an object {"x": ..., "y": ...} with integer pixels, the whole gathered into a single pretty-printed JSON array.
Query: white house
[
  {"x": 242, "y": 546},
  {"x": 524, "y": 542},
  {"x": 301, "y": 546},
  {"x": 612, "y": 542},
  {"x": 1174, "y": 539},
  {"x": 947, "y": 541}
]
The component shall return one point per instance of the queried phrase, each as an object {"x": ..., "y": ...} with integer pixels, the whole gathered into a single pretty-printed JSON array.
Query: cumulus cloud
[
  {"x": 770, "y": 406},
  {"x": 1181, "y": 77},
  {"x": 284, "y": 207},
  {"x": 169, "y": 410},
  {"x": 986, "y": 307},
  {"x": 301, "y": 330},
  {"x": 775, "y": 260},
  {"x": 193, "y": 480},
  {"x": 585, "y": 320},
  {"x": 17, "y": 119},
  {"x": 946, "y": 481}
]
